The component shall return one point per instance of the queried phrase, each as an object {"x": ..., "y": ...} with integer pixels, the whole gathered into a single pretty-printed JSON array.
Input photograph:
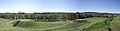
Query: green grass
[
  {"x": 33, "y": 26},
  {"x": 113, "y": 24},
  {"x": 40, "y": 25},
  {"x": 91, "y": 22},
  {"x": 79, "y": 26},
  {"x": 30, "y": 25}
]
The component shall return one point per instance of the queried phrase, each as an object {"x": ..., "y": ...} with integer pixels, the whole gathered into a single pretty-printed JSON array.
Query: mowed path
[{"x": 116, "y": 24}]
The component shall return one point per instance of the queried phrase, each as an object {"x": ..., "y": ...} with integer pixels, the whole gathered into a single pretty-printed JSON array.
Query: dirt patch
[
  {"x": 114, "y": 29},
  {"x": 2, "y": 22}
]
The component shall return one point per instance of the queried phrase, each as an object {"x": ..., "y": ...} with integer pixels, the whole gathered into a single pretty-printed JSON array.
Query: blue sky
[{"x": 29, "y": 6}]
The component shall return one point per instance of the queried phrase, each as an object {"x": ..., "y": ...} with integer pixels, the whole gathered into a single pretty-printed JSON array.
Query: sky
[{"x": 29, "y": 6}]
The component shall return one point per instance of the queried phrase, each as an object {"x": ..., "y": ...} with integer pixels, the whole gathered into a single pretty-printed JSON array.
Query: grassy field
[
  {"x": 29, "y": 25},
  {"x": 114, "y": 25}
]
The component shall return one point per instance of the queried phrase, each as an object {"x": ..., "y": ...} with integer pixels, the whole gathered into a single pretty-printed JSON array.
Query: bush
[{"x": 16, "y": 23}]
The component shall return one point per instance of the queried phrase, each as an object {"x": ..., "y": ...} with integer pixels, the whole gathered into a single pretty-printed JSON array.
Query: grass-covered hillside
[
  {"x": 86, "y": 21},
  {"x": 48, "y": 26}
]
